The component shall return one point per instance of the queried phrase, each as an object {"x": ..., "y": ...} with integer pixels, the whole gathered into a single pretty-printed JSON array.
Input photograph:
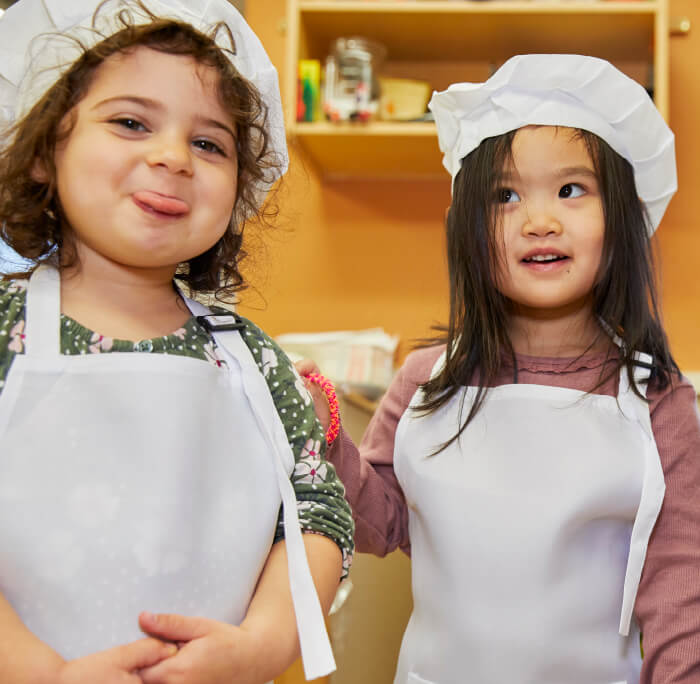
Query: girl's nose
[
  {"x": 171, "y": 153},
  {"x": 541, "y": 223}
]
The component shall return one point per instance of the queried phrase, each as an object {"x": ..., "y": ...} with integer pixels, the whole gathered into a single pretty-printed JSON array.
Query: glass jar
[{"x": 351, "y": 90}]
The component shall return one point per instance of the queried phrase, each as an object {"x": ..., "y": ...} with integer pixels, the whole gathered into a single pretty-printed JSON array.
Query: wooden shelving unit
[{"x": 444, "y": 41}]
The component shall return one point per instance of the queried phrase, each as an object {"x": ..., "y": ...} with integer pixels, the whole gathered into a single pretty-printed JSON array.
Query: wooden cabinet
[{"x": 444, "y": 41}]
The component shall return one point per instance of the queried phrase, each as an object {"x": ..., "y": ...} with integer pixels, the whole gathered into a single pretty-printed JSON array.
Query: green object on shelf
[{"x": 310, "y": 78}]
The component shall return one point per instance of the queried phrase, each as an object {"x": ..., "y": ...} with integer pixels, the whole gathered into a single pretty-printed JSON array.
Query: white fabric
[
  {"x": 563, "y": 90},
  {"x": 142, "y": 516},
  {"x": 37, "y": 45},
  {"x": 528, "y": 536}
]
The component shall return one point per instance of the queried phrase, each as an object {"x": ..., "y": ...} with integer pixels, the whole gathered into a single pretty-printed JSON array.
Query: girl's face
[
  {"x": 147, "y": 177},
  {"x": 552, "y": 225}
]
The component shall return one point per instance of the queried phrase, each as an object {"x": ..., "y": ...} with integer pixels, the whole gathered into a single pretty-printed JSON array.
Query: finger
[
  {"x": 142, "y": 653},
  {"x": 321, "y": 408},
  {"x": 174, "y": 627},
  {"x": 306, "y": 366},
  {"x": 161, "y": 672}
]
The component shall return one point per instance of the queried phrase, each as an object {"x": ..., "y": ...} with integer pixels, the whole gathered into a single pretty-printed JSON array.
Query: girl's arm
[
  {"x": 265, "y": 643},
  {"x": 25, "y": 659},
  {"x": 371, "y": 487},
  {"x": 668, "y": 603}
]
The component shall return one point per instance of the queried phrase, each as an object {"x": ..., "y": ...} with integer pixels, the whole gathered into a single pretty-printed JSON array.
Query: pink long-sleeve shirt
[{"x": 668, "y": 601}]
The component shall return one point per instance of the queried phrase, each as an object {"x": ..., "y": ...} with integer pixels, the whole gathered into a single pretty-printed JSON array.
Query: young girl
[
  {"x": 146, "y": 443},
  {"x": 524, "y": 459}
]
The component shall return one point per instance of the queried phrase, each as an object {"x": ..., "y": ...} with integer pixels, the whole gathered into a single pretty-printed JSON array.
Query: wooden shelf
[
  {"x": 372, "y": 129},
  {"x": 452, "y": 7},
  {"x": 424, "y": 30},
  {"x": 378, "y": 149},
  {"x": 444, "y": 41}
]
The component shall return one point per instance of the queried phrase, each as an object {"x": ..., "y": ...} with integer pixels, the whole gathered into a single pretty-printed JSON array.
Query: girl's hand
[
  {"x": 323, "y": 413},
  {"x": 211, "y": 652},
  {"x": 119, "y": 665}
]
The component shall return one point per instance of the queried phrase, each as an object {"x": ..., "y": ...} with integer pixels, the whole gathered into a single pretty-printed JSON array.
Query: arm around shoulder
[{"x": 371, "y": 487}]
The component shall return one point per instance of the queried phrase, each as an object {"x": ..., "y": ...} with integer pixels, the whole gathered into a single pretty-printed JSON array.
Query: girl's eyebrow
[
  {"x": 576, "y": 171},
  {"x": 509, "y": 176},
  {"x": 154, "y": 104}
]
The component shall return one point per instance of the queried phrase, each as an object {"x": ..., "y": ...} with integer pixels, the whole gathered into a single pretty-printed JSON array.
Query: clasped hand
[{"x": 179, "y": 650}]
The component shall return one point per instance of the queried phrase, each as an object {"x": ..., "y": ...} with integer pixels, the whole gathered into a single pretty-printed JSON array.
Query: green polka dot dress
[{"x": 321, "y": 504}]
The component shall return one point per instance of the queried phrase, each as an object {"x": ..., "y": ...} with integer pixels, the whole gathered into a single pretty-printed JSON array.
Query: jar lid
[{"x": 359, "y": 48}]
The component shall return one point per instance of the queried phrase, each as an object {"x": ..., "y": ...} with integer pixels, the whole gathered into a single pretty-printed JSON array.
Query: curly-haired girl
[{"x": 146, "y": 442}]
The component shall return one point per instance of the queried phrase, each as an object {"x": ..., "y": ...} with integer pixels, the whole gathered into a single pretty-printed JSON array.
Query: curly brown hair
[{"x": 32, "y": 220}]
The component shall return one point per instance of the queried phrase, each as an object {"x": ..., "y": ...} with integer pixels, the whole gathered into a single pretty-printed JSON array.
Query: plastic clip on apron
[
  {"x": 133, "y": 482},
  {"x": 528, "y": 536}
]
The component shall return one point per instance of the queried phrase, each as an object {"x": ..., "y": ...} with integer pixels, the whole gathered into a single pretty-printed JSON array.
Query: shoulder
[
  {"x": 415, "y": 370},
  {"x": 418, "y": 365},
  {"x": 13, "y": 297},
  {"x": 268, "y": 355},
  {"x": 675, "y": 419},
  {"x": 679, "y": 394},
  {"x": 289, "y": 394}
]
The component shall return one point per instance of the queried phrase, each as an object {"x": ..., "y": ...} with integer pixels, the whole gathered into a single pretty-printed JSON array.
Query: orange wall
[
  {"x": 361, "y": 254},
  {"x": 679, "y": 234}
]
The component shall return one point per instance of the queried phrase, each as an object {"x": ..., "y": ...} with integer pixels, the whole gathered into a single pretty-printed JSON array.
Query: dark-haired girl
[
  {"x": 541, "y": 462},
  {"x": 157, "y": 459}
]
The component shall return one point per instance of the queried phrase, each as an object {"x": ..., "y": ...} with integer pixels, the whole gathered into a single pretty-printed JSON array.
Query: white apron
[
  {"x": 528, "y": 536},
  {"x": 133, "y": 482}
]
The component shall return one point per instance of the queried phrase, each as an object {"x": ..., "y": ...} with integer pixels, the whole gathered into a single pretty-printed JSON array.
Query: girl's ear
[{"x": 38, "y": 172}]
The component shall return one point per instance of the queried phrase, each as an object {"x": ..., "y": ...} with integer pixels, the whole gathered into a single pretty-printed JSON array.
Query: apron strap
[
  {"x": 653, "y": 484},
  {"x": 42, "y": 325},
  {"x": 317, "y": 655}
]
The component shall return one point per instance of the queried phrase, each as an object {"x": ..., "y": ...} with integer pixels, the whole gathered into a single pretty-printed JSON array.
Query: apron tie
[
  {"x": 316, "y": 651},
  {"x": 653, "y": 486}
]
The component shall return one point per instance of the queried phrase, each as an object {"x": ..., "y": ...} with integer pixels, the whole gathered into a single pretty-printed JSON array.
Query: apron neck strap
[
  {"x": 317, "y": 655},
  {"x": 643, "y": 364},
  {"x": 43, "y": 313}
]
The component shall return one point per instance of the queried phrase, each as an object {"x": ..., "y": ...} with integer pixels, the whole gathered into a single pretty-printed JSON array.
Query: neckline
[
  {"x": 569, "y": 364},
  {"x": 79, "y": 331}
]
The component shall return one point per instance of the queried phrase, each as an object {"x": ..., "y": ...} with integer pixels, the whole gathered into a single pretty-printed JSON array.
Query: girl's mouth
[
  {"x": 544, "y": 263},
  {"x": 157, "y": 204},
  {"x": 544, "y": 258}
]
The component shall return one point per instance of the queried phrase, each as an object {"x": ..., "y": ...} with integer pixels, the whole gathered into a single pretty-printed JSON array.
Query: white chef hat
[
  {"x": 36, "y": 49},
  {"x": 563, "y": 90}
]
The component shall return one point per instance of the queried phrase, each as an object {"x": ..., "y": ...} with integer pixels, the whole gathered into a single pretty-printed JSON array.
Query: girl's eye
[
  {"x": 571, "y": 190},
  {"x": 209, "y": 146},
  {"x": 506, "y": 196},
  {"x": 131, "y": 124}
]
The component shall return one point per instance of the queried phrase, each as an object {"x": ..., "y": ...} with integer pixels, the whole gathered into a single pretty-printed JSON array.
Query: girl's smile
[{"x": 545, "y": 259}]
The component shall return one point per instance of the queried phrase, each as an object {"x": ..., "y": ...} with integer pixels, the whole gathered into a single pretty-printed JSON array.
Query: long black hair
[{"x": 624, "y": 296}]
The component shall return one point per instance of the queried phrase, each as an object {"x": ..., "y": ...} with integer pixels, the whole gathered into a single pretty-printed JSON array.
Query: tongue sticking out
[{"x": 160, "y": 203}]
